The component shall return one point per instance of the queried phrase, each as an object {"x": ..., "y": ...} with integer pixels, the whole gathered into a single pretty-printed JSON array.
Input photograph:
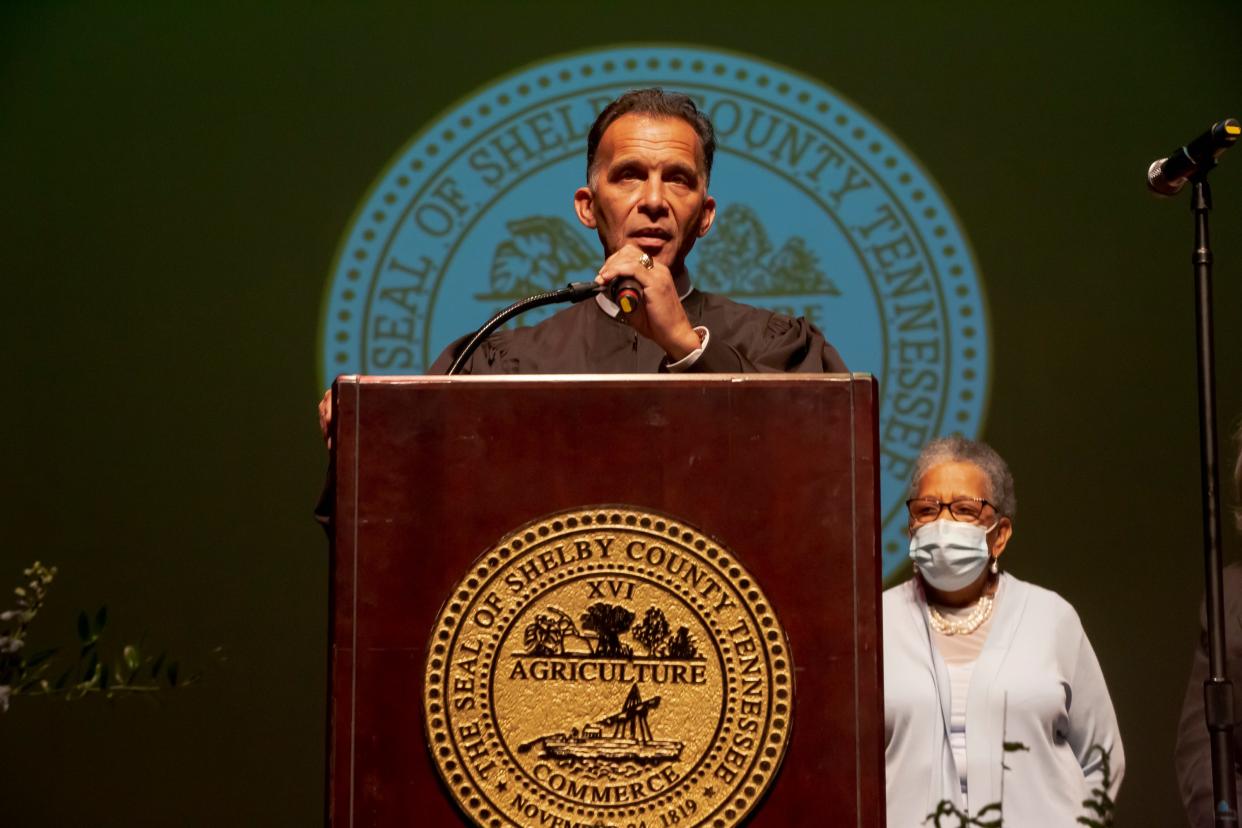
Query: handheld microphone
[
  {"x": 1167, "y": 176},
  {"x": 628, "y": 294}
]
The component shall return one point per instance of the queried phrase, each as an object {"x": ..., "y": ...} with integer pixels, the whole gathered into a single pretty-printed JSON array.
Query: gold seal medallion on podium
[{"x": 608, "y": 666}]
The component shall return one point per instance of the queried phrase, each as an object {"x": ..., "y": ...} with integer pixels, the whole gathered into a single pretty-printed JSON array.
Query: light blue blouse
[{"x": 1037, "y": 682}]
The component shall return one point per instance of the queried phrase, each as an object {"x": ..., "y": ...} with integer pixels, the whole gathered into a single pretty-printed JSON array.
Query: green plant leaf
[
  {"x": 101, "y": 619},
  {"x": 63, "y": 680},
  {"x": 40, "y": 657},
  {"x": 132, "y": 659},
  {"x": 84, "y": 627},
  {"x": 158, "y": 665},
  {"x": 25, "y": 684},
  {"x": 29, "y": 678}
]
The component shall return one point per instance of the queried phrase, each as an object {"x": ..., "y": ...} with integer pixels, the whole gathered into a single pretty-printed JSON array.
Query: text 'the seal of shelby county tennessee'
[{"x": 608, "y": 666}]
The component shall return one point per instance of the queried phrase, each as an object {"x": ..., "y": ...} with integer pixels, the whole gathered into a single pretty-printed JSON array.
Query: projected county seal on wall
[{"x": 822, "y": 214}]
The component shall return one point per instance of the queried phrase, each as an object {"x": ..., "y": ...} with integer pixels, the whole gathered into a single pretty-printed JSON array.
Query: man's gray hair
[
  {"x": 958, "y": 449},
  {"x": 656, "y": 102}
]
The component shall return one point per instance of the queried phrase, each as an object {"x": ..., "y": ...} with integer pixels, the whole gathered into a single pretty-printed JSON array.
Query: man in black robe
[{"x": 649, "y": 160}]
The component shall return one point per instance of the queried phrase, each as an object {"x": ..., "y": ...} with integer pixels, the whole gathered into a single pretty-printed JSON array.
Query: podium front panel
[{"x": 430, "y": 472}]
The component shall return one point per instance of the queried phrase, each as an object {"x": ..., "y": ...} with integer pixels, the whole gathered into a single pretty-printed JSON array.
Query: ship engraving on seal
[
  {"x": 608, "y": 666},
  {"x": 631, "y": 737}
]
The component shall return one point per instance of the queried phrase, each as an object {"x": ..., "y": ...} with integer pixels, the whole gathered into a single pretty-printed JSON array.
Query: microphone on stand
[{"x": 1167, "y": 176}]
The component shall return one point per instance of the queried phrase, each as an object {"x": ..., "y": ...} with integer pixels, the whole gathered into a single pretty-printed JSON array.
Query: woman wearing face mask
[{"x": 975, "y": 658}]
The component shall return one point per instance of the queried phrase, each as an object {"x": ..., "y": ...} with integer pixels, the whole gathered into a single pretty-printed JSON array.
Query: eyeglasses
[{"x": 965, "y": 509}]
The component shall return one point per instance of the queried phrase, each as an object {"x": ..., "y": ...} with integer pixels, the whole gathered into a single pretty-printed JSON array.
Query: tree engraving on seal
[
  {"x": 608, "y": 665},
  {"x": 549, "y": 633}
]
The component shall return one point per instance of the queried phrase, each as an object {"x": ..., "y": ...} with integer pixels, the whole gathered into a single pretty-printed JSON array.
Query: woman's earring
[{"x": 995, "y": 567}]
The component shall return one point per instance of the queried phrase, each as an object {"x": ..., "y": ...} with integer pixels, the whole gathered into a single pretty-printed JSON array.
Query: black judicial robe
[{"x": 584, "y": 339}]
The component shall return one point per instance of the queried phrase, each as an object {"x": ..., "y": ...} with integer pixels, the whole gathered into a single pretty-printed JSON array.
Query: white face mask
[{"x": 950, "y": 554}]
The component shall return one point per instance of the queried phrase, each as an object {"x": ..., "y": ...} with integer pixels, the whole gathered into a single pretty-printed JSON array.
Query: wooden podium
[{"x": 431, "y": 472}]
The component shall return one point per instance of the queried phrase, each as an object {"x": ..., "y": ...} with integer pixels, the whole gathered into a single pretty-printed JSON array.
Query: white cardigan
[{"x": 1036, "y": 682}]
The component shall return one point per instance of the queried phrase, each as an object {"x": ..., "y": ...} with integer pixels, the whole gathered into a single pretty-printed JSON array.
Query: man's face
[{"x": 648, "y": 189}]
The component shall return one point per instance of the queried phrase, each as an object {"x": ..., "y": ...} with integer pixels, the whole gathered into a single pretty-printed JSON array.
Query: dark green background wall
[{"x": 175, "y": 182}]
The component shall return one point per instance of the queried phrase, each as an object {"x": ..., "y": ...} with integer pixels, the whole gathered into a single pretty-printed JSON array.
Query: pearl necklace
[{"x": 972, "y": 622}]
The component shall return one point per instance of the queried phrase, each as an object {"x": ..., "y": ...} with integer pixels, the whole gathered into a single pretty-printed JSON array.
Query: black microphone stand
[
  {"x": 573, "y": 292},
  {"x": 1217, "y": 689}
]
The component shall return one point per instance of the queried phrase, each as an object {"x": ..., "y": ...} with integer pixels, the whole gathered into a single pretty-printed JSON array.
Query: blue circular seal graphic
[{"x": 821, "y": 213}]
